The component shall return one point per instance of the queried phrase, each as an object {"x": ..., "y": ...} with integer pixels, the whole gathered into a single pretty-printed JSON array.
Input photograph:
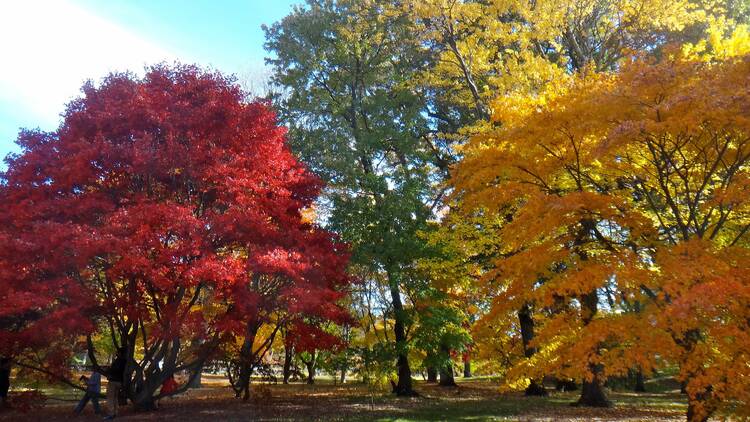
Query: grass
[{"x": 473, "y": 400}]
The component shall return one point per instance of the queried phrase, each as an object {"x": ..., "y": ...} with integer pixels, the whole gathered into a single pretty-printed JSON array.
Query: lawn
[{"x": 475, "y": 400}]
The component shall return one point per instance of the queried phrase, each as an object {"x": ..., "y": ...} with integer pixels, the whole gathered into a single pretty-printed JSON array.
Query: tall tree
[
  {"x": 507, "y": 48},
  {"x": 631, "y": 182},
  {"x": 678, "y": 140},
  {"x": 167, "y": 210},
  {"x": 343, "y": 68}
]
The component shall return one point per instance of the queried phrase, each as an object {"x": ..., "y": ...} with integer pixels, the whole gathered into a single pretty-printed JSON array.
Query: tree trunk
[
  {"x": 700, "y": 407},
  {"x": 246, "y": 373},
  {"x": 432, "y": 374},
  {"x": 135, "y": 387},
  {"x": 246, "y": 363},
  {"x": 536, "y": 388},
  {"x": 446, "y": 377},
  {"x": 526, "y": 322},
  {"x": 128, "y": 387},
  {"x": 145, "y": 389},
  {"x": 404, "y": 385},
  {"x": 693, "y": 414},
  {"x": 144, "y": 400},
  {"x": 446, "y": 370},
  {"x": 467, "y": 367},
  {"x": 346, "y": 337},
  {"x": 196, "y": 380},
  {"x": 640, "y": 384},
  {"x": 592, "y": 392},
  {"x": 195, "y": 376},
  {"x": 701, "y": 404},
  {"x": 310, "y": 370},
  {"x": 287, "y": 369}
]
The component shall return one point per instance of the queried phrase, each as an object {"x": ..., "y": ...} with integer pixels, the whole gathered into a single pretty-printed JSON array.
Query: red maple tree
[{"x": 165, "y": 211}]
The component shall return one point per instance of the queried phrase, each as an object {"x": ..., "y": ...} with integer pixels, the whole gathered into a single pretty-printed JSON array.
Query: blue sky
[{"x": 50, "y": 47}]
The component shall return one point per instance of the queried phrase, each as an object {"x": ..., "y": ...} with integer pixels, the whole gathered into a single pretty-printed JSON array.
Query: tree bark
[
  {"x": 432, "y": 374},
  {"x": 526, "y": 321},
  {"x": 446, "y": 369},
  {"x": 640, "y": 384},
  {"x": 310, "y": 372},
  {"x": 536, "y": 388},
  {"x": 467, "y": 366},
  {"x": 196, "y": 379},
  {"x": 246, "y": 362},
  {"x": 701, "y": 404},
  {"x": 592, "y": 391},
  {"x": 446, "y": 377},
  {"x": 404, "y": 385},
  {"x": 310, "y": 365},
  {"x": 287, "y": 368},
  {"x": 195, "y": 376},
  {"x": 142, "y": 379},
  {"x": 481, "y": 107}
]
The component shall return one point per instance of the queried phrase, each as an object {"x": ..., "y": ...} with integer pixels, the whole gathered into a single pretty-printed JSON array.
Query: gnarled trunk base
[
  {"x": 446, "y": 377},
  {"x": 593, "y": 395},
  {"x": 403, "y": 388}
]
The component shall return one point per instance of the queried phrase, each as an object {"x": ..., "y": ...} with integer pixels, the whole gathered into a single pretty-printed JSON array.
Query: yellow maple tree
[{"x": 630, "y": 191}]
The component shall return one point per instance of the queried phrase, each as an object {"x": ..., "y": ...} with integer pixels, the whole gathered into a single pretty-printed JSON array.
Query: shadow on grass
[{"x": 477, "y": 400}]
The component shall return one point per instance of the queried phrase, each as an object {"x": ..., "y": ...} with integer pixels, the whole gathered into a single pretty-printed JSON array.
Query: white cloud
[{"x": 50, "y": 47}]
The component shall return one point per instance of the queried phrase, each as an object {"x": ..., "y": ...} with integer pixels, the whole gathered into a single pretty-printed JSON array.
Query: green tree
[{"x": 343, "y": 68}]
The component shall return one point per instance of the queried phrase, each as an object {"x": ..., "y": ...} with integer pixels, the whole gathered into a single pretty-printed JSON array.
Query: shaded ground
[{"x": 471, "y": 401}]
